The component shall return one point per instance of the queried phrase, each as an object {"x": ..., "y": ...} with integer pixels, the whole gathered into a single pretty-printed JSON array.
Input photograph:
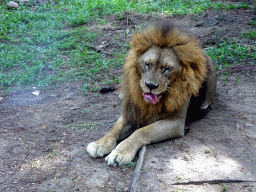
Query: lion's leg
[
  {"x": 210, "y": 85},
  {"x": 155, "y": 132},
  {"x": 106, "y": 144},
  {"x": 158, "y": 131}
]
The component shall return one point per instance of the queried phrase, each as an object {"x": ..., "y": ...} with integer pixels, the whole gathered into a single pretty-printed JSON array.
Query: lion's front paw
[
  {"x": 122, "y": 154},
  {"x": 101, "y": 147},
  {"x": 117, "y": 158}
]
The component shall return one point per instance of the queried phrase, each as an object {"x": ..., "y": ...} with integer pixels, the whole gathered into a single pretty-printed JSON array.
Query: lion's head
[
  {"x": 164, "y": 67},
  {"x": 159, "y": 69}
]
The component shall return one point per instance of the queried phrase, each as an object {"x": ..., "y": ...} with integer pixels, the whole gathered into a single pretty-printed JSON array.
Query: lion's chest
[{"x": 142, "y": 117}]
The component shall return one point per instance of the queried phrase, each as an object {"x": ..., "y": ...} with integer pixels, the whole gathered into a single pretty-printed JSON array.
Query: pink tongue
[{"x": 151, "y": 97}]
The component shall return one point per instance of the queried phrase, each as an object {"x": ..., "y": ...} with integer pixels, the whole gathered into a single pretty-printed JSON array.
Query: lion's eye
[
  {"x": 146, "y": 64},
  {"x": 167, "y": 69}
]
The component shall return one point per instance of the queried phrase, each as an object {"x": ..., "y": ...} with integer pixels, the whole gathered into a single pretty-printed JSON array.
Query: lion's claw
[{"x": 111, "y": 158}]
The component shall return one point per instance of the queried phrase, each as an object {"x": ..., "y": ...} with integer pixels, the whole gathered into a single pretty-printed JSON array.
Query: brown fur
[{"x": 194, "y": 70}]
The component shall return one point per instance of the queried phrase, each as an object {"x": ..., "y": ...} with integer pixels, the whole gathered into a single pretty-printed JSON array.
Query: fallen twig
[
  {"x": 136, "y": 174},
  {"x": 99, "y": 48},
  {"x": 212, "y": 182}
]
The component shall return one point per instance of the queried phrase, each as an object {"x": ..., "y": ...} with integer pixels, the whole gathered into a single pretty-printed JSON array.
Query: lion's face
[{"x": 159, "y": 69}]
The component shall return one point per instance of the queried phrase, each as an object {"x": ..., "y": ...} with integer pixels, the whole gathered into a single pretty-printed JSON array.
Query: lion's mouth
[{"x": 151, "y": 97}]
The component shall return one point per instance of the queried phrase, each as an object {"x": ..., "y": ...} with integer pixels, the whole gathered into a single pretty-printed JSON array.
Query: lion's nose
[{"x": 151, "y": 85}]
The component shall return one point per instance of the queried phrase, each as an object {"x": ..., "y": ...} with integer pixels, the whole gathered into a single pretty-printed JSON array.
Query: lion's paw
[
  {"x": 100, "y": 148},
  {"x": 116, "y": 158}
]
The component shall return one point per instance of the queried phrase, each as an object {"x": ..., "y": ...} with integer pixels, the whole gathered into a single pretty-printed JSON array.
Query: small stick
[
  {"x": 136, "y": 174},
  {"x": 218, "y": 181}
]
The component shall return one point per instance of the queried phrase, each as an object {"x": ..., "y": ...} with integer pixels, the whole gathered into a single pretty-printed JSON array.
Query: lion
[{"x": 165, "y": 72}]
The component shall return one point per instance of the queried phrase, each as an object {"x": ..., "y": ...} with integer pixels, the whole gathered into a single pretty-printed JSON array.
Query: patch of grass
[
  {"x": 114, "y": 80},
  {"x": 223, "y": 187},
  {"x": 85, "y": 87},
  {"x": 225, "y": 76},
  {"x": 41, "y": 46},
  {"x": 84, "y": 127},
  {"x": 237, "y": 6},
  {"x": 237, "y": 79},
  {"x": 142, "y": 169},
  {"x": 130, "y": 165},
  {"x": 103, "y": 22},
  {"x": 253, "y": 23},
  {"x": 250, "y": 35},
  {"x": 53, "y": 153},
  {"x": 181, "y": 177},
  {"x": 207, "y": 151},
  {"x": 36, "y": 48},
  {"x": 117, "y": 79},
  {"x": 228, "y": 53},
  {"x": 48, "y": 43},
  {"x": 220, "y": 5},
  {"x": 164, "y": 6},
  {"x": 73, "y": 178},
  {"x": 85, "y": 111}
]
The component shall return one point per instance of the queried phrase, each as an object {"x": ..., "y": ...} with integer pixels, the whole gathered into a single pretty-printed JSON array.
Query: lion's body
[{"x": 164, "y": 69}]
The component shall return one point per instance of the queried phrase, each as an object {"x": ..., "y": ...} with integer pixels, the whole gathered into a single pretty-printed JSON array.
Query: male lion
[{"x": 165, "y": 69}]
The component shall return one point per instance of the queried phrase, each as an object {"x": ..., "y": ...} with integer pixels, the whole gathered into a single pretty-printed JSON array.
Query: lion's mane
[{"x": 191, "y": 57}]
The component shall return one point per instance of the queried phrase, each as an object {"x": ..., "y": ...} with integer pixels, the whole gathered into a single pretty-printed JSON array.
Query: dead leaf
[{"x": 45, "y": 127}]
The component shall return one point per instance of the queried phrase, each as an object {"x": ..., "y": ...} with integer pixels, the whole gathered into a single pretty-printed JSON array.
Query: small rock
[
  {"x": 249, "y": 124},
  {"x": 12, "y": 4},
  {"x": 199, "y": 24},
  {"x": 77, "y": 189},
  {"x": 36, "y": 93},
  {"x": 127, "y": 31},
  {"x": 24, "y": 1}
]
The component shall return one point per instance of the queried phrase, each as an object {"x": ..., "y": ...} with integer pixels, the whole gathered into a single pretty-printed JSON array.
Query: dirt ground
[{"x": 43, "y": 138}]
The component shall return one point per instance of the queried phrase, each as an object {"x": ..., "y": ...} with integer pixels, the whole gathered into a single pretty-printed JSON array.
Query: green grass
[
  {"x": 223, "y": 187},
  {"x": 53, "y": 153},
  {"x": 228, "y": 53},
  {"x": 51, "y": 42},
  {"x": 253, "y": 23},
  {"x": 95, "y": 87},
  {"x": 84, "y": 127},
  {"x": 237, "y": 6},
  {"x": 250, "y": 35}
]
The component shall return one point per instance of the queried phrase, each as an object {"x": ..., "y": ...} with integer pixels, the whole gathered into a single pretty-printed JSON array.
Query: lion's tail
[{"x": 108, "y": 89}]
